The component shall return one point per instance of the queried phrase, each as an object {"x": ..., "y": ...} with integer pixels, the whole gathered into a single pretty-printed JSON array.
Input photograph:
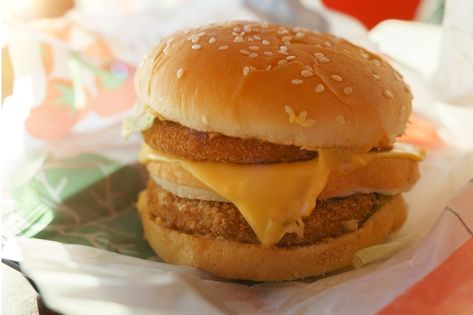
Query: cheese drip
[{"x": 274, "y": 198}]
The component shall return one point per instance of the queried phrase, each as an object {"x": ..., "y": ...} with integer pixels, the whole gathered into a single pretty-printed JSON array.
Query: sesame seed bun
[
  {"x": 237, "y": 260},
  {"x": 278, "y": 84}
]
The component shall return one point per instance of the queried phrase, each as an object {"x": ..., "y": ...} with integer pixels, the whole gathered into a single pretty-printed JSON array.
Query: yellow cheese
[
  {"x": 273, "y": 198},
  {"x": 399, "y": 150}
]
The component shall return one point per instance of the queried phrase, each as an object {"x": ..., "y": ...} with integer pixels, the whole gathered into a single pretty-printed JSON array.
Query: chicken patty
[
  {"x": 332, "y": 217},
  {"x": 190, "y": 144}
]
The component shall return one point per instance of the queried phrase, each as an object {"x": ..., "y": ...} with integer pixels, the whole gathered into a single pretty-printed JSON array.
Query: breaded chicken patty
[
  {"x": 215, "y": 219},
  {"x": 173, "y": 138}
]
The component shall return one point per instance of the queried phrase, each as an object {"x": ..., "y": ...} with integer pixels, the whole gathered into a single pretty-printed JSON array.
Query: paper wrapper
[
  {"x": 75, "y": 191},
  {"x": 76, "y": 279}
]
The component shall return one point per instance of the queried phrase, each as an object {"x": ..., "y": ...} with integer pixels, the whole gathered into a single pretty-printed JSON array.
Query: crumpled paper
[
  {"x": 453, "y": 79},
  {"x": 76, "y": 279}
]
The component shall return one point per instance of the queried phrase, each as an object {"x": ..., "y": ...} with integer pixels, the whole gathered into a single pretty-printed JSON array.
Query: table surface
[{"x": 18, "y": 296}]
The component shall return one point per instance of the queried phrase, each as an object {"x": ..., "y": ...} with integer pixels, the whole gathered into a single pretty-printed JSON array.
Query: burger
[{"x": 271, "y": 150}]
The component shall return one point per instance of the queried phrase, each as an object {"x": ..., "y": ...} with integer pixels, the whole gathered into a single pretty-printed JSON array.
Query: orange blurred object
[
  {"x": 40, "y": 9},
  {"x": 57, "y": 115},
  {"x": 111, "y": 100},
  {"x": 371, "y": 12},
  {"x": 422, "y": 133},
  {"x": 446, "y": 290}
]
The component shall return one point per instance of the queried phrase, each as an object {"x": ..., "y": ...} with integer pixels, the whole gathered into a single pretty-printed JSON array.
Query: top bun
[{"x": 284, "y": 85}]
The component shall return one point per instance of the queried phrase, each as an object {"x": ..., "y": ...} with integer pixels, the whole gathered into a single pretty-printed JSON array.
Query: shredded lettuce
[
  {"x": 141, "y": 119},
  {"x": 377, "y": 252}
]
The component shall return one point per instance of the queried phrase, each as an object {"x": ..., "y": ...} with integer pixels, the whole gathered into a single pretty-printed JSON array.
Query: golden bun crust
[
  {"x": 266, "y": 83},
  {"x": 398, "y": 175},
  {"x": 235, "y": 260}
]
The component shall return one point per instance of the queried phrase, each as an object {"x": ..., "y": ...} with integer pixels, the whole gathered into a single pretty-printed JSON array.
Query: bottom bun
[{"x": 245, "y": 261}]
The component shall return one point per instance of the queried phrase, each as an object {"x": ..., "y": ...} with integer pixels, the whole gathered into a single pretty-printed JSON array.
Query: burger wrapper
[
  {"x": 68, "y": 208},
  {"x": 107, "y": 277}
]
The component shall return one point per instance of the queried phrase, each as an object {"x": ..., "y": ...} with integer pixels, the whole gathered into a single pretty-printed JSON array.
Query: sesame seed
[
  {"x": 196, "y": 46},
  {"x": 297, "y": 81},
  {"x": 364, "y": 55},
  {"x": 306, "y": 73},
  {"x": 346, "y": 51},
  {"x": 265, "y": 42},
  {"x": 308, "y": 68},
  {"x": 195, "y": 39},
  {"x": 235, "y": 34},
  {"x": 397, "y": 76},
  {"x": 256, "y": 37},
  {"x": 336, "y": 77},
  {"x": 238, "y": 39},
  {"x": 289, "y": 110},
  {"x": 205, "y": 120},
  {"x": 407, "y": 88},
  {"x": 348, "y": 90},
  {"x": 388, "y": 94},
  {"x": 300, "y": 35},
  {"x": 291, "y": 57},
  {"x": 268, "y": 68},
  {"x": 327, "y": 44},
  {"x": 268, "y": 53},
  {"x": 283, "y": 48},
  {"x": 201, "y": 34},
  {"x": 253, "y": 55},
  {"x": 307, "y": 123},
  {"x": 340, "y": 119},
  {"x": 321, "y": 57},
  {"x": 212, "y": 40},
  {"x": 250, "y": 39},
  {"x": 319, "y": 88},
  {"x": 244, "y": 52},
  {"x": 282, "y": 31},
  {"x": 242, "y": 34},
  {"x": 286, "y": 38},
  {"x": 375, "y": 62},
  {"x": 254, "y": 47},
  {"x": 247, "y": 28},
  {"x": 335, "y": 39},
  {"x": 237, "y": 29},
  {"x": 282, "y": 61},
  {"x": 179, "y": 73},
  {"x": 246, "y": 70},
  {"x": 224, "y": 47},
  {"x": 376, "y": 77}
]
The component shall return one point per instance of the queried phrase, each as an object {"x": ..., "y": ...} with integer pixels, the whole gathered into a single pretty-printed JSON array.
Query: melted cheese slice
[
  {"x": 273, "y": 198},
  {"x": 399, "y": 150}
]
